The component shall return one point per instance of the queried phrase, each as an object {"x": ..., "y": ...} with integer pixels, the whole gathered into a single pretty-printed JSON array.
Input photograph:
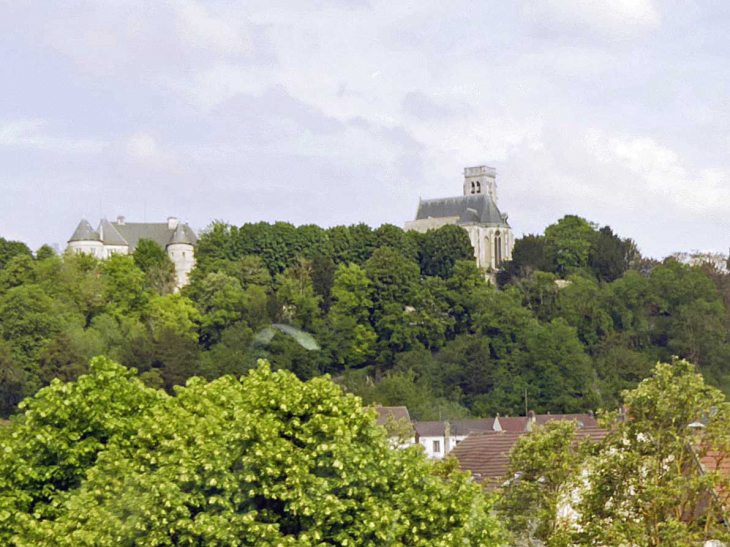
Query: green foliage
[
  {"x": 645, "y": 487},
  {"x": 10, "y": 249},
  {"x": 56, "y": 441},
  {"x": 543, "y": 467},
  {"x": 569, "y": 243},
  {"x": 264, "y": 460},
  {"x": 443, "y": 248}
]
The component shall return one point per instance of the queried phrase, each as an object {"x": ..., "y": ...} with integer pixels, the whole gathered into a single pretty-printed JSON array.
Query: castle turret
[
  {"x": 181, "y": 250},
  {"x": 86, "y": 240}
]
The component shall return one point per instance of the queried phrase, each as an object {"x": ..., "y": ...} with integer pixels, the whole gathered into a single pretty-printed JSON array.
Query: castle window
[
  {"x": 478, "y": 187},
  {"x": 473, "y": 187}
]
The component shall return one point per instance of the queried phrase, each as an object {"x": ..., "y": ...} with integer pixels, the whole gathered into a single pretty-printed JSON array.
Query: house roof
[
  {"x": 471, "y": 209},
  {"x": 429, "y": 429},
  {"x": 486, "y": 454},
  {"x": 514, "y": 424},
  {"x": 584, "y": 420},
  {"x": 464, "y": 427},
  {"x": 398, "y": 413},
  {"x": 84, "y": 232}
]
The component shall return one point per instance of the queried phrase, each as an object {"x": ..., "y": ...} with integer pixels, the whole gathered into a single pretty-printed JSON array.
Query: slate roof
[
  {"x": 110, "y": 235},
  {"x": 464, "y": 427},
  {"x": 584, "y": 420},
  {"x": 158, "y": 232},
  {"x": 429, "y": 429},
  {"x": 471, "y": 209},
  {"x": 84, "y": 232},
  {"x": 397, "y": 412},
  {"x": 486, "y": 455}
]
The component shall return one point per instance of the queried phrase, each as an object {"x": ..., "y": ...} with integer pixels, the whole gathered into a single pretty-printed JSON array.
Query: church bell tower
[{"x": 481, "y": 180}]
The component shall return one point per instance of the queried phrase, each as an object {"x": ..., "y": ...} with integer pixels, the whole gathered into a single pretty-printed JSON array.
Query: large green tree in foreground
[{"x": 264, "y": 460}]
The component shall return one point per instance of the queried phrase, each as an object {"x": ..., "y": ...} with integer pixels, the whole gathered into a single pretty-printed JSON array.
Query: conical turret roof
[
  {"x": 182, "y": 234},
  {"x": 84, "y": 232}
]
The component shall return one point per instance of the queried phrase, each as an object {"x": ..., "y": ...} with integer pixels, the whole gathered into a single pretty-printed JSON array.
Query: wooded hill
[{"x": 401, "y": 318}]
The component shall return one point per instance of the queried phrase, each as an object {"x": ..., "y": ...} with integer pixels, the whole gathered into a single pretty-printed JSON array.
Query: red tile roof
[{"x": 397, "y": 412}]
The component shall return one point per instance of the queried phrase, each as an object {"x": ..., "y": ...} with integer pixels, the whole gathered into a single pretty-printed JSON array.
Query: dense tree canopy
[
  {"x": 577, "y": 315},
  {"x": 261, "y": 460}
]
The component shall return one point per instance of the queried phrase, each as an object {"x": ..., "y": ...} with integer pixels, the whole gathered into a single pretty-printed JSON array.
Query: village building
[
  {"x": 486, "y": 454},
  {"x": 477, "y": 212},
  {"x": 440, "y": 438},
  {"x": 122, "y": 237}
]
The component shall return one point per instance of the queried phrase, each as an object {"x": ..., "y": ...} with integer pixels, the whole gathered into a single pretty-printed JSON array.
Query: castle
[
  {"x": 477, "y": 212},
  {"x": 122, "y": 237}
]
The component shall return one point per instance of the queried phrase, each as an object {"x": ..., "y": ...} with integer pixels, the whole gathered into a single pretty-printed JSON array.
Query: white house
[{"x": 122, "y": 237}]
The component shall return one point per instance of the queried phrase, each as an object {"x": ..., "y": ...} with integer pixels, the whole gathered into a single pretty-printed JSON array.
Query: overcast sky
[{"x": 345, "y": 111}]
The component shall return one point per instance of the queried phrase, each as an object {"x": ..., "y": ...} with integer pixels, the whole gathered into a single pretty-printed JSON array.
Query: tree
[
  {"x": 261, "y": 460},
  {"x": 543, "y": 466},
  {"x": 57, "y": 439},
  {"x": 124, "y": 286},
  {"x": 645, "y": 487},
  {"x": 569, "y": 242},
  {"x": 10, "y": 249},
  {"x": 442, "y": 248},
  {"x": 295, "y": 293},
  {"x": 610, "y": 256},
  {"x": 157, "y": 266}
]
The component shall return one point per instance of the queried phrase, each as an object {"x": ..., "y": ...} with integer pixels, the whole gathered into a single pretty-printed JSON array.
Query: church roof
[
  {"x": 471, "y": 209},
  {"x": 84, "y": 232},
  {"x": 159, "y": 232}
]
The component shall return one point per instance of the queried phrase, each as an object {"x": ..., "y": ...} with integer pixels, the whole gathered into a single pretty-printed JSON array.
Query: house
[
  {"x": 477, "y": 212},
  {"x": 122, "y": 237},
  {"x": 486, "y": 454},
  {"x": 397, "y": 421},
  {"x": 440, "y": 438}
]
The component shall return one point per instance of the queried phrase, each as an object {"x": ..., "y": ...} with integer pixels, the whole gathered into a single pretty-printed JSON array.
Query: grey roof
[
  {"x": 464, "y": 427},
  {"x": 471, "y": 209},
  {"x": 84, "y": 232},
  {"x": 183, "y": 234},
  {"x": 398, "y": 413},
  {"x": 429, "y": 429},
  {"x": 110, "y": 235},
  {"x": 158, "y": 232}
]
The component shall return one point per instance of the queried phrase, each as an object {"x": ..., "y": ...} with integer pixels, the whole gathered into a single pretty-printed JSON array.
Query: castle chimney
[
  {"x": 120, "y": 220},
  {"x": 172, "y": 223}
]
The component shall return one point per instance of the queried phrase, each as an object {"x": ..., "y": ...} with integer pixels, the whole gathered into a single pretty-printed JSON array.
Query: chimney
[
  {"x": 531, "y": 420},
  {"x": 120, "y": 220},
  {"x": 171, "y": 223},
  {"x": 447, "y": 436}
]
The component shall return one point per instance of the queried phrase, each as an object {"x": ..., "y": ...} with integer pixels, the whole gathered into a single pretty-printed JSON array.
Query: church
[
  {"x": 122, "y": 237},
  {"x": 477, "y": 212}
]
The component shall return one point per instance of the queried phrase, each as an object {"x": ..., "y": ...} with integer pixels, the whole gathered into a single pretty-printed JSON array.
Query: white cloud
[
  {"x": 143, "y": 147},
  {"x": 664, "y": 173},
  {"x": 207, "y": 31},
  {"x": 610, "y": 16},
  {"x": 31, "y": 134}
]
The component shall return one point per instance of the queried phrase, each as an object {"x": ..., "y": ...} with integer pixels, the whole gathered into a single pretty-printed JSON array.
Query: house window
[{"x": 437, "y": 446}]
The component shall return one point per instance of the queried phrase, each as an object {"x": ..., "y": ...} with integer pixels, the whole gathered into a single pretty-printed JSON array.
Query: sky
[{"x": 345, "y": 111}]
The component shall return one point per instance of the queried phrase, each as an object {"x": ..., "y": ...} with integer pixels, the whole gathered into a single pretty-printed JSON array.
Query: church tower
[{"x": 481, "y": 180}]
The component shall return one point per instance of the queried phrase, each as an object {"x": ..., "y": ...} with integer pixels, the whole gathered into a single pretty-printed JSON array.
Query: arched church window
[
  {"x": 473, "y": 188},
  {"x": 497, "y": 249},
  {"x": 478, "y": 187}
]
